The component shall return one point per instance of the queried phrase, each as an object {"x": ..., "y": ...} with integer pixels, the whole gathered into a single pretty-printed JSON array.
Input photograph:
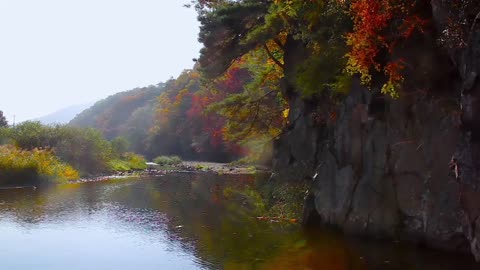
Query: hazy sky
[{"x": 56, "y": 53}]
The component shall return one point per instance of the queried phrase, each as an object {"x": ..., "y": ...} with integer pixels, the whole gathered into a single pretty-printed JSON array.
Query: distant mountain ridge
[
  {"x": 63, "y": 116},
  {"x": 129, "y": 114}
]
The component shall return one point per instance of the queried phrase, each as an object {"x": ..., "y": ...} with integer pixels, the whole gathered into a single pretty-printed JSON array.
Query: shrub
[
  {"x": 5, "y": 135},
  {"x": 83, "y": 148},
  {"x": 135, "y": 161},
  {"x": 30, "y": 166},
  {"x": 166, "y": 160},
  {"x": 128, "y": 161},
  {"x": 119, "y": 165}
]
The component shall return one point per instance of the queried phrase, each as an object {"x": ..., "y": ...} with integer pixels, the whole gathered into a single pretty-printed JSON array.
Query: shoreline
[{"x": 184, "y": 167}]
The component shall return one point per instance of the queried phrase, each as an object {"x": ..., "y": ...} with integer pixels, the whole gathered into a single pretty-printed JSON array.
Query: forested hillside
[
  {"x": 111, "y": 115},
  {"x": 183, "y": 127},
  {"x": 166, "y": 119}
]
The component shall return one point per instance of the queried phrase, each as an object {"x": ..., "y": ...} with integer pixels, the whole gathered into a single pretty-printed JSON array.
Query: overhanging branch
[{"x": 280, "y": 64}]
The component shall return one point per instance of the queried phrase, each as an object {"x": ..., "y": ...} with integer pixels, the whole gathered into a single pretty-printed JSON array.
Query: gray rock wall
[
  {"x": 405, "y": 169},
  {"x": 390, "y": 176}
]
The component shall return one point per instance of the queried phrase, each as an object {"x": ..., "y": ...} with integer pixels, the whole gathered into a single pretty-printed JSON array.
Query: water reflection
[{"x": 184, "y": 221}]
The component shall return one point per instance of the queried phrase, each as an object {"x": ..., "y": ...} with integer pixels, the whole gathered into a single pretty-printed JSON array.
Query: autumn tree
[
  {"x": 253, "y": 107},
  {"x": 290, "y": 48},
  {"x": 183, "y": 128},
  {"x": 309, "y": 39},
  {"x": 380, "y": 27},
  {"x": 258, "y": 58},
  {"x": 289, "y": 32}
]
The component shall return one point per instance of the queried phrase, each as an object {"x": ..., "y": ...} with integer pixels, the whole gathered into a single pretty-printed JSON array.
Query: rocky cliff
[{"x": 404, "y": 168}]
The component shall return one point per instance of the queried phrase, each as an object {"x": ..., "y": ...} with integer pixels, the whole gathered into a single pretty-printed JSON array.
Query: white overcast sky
[{"x": 57, "y": 53}]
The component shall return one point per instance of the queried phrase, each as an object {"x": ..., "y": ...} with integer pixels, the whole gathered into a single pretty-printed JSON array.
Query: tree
[
  {"x": 83, "y": 148},
  {"x": 290, "y": 49},
  {"x": 3, "y": 120},
  {"x": 253, "y": 109},
  {"x": 120, "y": 145},
  {"x": 309, "y": 39},
  {"x": 289, "y": 33},
  {"x": 181, "y": 125}
]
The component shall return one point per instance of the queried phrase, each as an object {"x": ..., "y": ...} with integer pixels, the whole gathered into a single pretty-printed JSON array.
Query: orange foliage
[
  {"x": 380, "y": 25},
  {"x": 181, "y": 110}
]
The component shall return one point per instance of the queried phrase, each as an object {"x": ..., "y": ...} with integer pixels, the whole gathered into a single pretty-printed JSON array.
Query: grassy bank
[
  {"x": 128, "y": 162},
  {"x": 167, "y": 160},
  {"x": 19, "y": 167},
  {"x": 72, "y": 151}
]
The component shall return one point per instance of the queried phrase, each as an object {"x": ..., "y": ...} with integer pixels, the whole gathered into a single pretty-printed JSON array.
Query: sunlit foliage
[
  {"x": 277, "y": 27},
  {"x": 23, "y": 166},
  {"x": 85, "y": 149},
  {"x": 128, "y": 162}
]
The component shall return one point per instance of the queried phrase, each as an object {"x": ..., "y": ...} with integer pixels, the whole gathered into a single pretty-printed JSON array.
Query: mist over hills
[
  {"x": 63, "y": 116},
  {"x": 129, "y": 114}
]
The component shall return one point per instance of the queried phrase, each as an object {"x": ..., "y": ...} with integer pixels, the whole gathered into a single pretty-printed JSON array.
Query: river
[{"x": 183, "y": 221}]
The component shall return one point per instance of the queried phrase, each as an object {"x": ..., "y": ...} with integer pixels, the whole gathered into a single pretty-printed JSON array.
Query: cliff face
[{"x": 406, "y": 168}]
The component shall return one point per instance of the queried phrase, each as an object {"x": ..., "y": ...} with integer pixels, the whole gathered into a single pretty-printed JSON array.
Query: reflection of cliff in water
[{"x": 198, "y": 214}]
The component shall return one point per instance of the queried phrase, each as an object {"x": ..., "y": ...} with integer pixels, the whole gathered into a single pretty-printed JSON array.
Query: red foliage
[
  {"x": 371, "y": 17},
  {"x": 380, "y": 25},
  {"x": 198, "y": 123},
  {"x": 412, "y": 23}
]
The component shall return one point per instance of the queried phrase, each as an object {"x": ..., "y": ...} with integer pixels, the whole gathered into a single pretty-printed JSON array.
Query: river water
[{"x": 184, "y": 221}]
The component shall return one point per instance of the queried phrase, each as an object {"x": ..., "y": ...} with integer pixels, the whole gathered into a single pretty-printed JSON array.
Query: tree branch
[
  {"x": 475, "y": 22},
  {"x": 279, "y": 43},
  {"x": 262, "y": 97},
  {"x": 273, "y": 57}
]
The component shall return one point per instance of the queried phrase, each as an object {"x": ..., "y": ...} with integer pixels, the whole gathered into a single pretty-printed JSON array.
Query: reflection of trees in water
[
  {"x": 24, "y": 206},
  {"x": 214, "y": 217},
  {"x": 223, "y": 229}
]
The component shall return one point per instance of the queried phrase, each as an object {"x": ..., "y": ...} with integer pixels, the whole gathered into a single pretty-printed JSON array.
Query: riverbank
[{"x": 184, "y": 167}]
